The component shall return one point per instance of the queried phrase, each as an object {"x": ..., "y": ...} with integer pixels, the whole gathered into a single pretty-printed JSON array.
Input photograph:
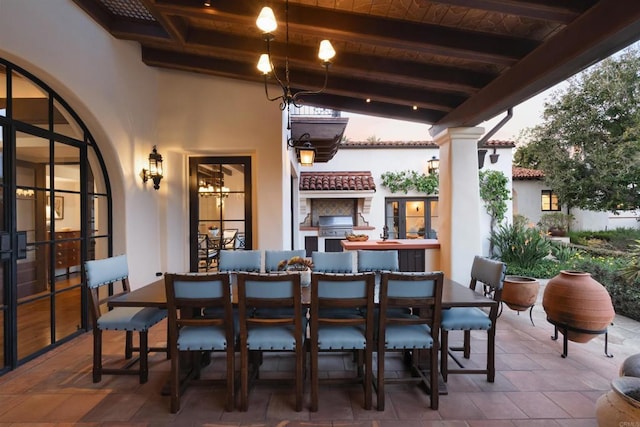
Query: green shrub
[
  {"x": 544, "y": 269},
  {"x": 562, "y": 252},
  {"x": 520, "y": 246}
]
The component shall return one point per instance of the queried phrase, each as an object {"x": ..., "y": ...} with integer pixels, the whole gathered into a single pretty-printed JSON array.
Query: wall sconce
[
  {"x": 304, "y": 150},
  {"x": 155, "y": 170},
  {"x": 433, "y": 166}
]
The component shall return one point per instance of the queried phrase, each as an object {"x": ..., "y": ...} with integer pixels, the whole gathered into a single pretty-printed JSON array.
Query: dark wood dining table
[{"x": 454, "y": 294}]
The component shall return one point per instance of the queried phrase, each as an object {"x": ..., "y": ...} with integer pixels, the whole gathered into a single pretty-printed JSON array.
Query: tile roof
[
  {"x": 336, "y": 181},
  {"x": 522, "y": 174},
  {"x": 494, "y": 143}
]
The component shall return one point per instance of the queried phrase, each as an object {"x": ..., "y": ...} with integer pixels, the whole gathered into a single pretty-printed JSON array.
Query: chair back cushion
[
  {"x": 332, "y": 262},
  {"x": 372, "y": 260},
  {"x": 489, "y": 272},
  {"x": 273, "y": 258},
  {"x": 240, "y": 261},
  {"x": 105, "y": 271}
]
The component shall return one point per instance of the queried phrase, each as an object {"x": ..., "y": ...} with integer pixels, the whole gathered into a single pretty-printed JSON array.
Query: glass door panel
[
  {"x": 30, "y": 102},
  {"x": 220, "y": 208}
]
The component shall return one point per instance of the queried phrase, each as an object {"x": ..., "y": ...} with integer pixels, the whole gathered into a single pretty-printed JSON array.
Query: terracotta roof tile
[
  {"x": 336, "y": 181},
  {"x": 525, "y": 174}
]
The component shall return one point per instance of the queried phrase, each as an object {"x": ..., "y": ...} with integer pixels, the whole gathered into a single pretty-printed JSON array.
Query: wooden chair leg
[
  {"x": 175, "y": 383},
  {"x": 491, "y": 355},
  {"x": 144, "y": 356},
  {"x": 128, "y": 345},
  {"x": 314, "y": 377},
  {"x": 300, "y": 353},
  {"x": 368, "y": 377},
  {"x": 244, "y": 378},
  {"x": 467, "y": 344},
  {"x": 444, "y": 354},
  {"x": 380, "y": 382},
  {"x": 231, "y": 395},
  {"x": 435, "y": 391},
  {"x": 97, "y": 355}
]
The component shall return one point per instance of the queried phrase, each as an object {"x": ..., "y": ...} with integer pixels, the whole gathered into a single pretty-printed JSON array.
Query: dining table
[{"x": 454, "y": 294}]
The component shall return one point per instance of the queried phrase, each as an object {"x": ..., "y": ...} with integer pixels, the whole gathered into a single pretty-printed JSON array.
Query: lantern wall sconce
[
  {"x": 305, "y": 151},
  {"x": 433, "y": 166},
  {"x": 155, "y": 171}
]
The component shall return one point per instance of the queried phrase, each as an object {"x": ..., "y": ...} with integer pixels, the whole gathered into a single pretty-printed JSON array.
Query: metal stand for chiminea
[{"x": 564, "y": 328}]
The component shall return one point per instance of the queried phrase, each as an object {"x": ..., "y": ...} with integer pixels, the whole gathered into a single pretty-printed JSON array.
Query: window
[
  {"x": 550, "y": 201},
  {"x": 412, "y": 218}
]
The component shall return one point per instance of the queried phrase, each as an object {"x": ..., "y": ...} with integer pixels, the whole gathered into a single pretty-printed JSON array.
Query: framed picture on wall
[{"x": 58, "y": 207}]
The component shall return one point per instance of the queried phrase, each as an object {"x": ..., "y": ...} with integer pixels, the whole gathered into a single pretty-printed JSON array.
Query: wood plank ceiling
[{"x": 459, "y": 62}]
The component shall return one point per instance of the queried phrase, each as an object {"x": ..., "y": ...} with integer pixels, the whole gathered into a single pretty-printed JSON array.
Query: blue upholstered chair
[
  {"x": 377, "y": 261},
  {"x": 105, "y": 272},
  {"x": 234, "y": 261},
  {"x": 189, "y": 331},
  {"x": 331, "y": 292},
  {"x": 409, "y": 319},
  {"x": 272, "y": 258},
  {"x": 490, "y": 274},
  {"x": 332, "y": 262},
  {"x": 268, "y": 293}
]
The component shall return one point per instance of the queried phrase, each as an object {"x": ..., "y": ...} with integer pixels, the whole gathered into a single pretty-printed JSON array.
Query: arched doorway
[{"x": 55, "y": 213}]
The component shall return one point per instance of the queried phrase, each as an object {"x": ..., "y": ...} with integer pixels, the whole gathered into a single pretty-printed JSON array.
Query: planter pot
[
  {"x": 214, "y": 233},
  {"x": 520, "y": 293},
  {"x": 573, "y": 299},
  {"x": 621, "y": 405},
  {"x": 631, "y": 366}
]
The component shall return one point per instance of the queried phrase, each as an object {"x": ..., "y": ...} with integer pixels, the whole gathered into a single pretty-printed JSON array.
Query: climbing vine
[
  {"x": 494, "y": 193},
  {"x": 405, "y": 181}
]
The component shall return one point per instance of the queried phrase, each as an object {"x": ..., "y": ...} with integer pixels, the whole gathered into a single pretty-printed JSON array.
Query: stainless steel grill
[{"x": 335, "y": 225}]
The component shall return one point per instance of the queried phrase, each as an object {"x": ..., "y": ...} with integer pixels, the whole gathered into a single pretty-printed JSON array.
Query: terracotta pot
[
  {"x": 576, "y": 300},
  {"x": 631, "y": 366},
  {"x": 621, "y": 405},
  {"x": 557, "y": 231},
  {"x": 520, "y": 293}
]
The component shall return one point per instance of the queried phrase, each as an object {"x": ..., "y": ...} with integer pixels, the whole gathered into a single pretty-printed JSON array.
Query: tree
[
  {"x": 589, "y": 143},
  {"x": 494, "y": 193}
]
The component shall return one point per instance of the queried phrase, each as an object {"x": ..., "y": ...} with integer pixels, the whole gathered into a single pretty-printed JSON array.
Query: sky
[{"x": 525, "y": 115}]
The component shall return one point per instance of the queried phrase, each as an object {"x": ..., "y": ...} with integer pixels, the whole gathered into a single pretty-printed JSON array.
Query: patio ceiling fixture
[
  {"x": 267, "y": 23},
  {"x": 305, "y": 151},
  {"x": 155, "y": 171}
]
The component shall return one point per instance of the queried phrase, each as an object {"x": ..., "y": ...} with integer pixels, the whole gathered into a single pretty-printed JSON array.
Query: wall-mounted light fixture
[
  {"x": 433, "y": 166},
  {"x": 155, "y": 171},
  {"x": 304, "y": 149},
  {"x": 494, "y": 157}
]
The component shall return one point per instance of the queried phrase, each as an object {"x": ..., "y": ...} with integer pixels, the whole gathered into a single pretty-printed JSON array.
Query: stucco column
[{"x": 459, "y": 201}]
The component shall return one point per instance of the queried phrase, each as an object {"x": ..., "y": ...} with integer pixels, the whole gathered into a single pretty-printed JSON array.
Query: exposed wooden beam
[
  {"x": 588, "y": 39},
  {"x": 562, "y": 11}
]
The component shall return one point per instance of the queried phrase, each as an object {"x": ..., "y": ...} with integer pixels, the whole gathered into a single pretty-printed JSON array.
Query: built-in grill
[{"x": 335, "y": 225}]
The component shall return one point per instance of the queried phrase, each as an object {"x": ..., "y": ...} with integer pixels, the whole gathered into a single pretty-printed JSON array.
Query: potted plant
[{"x": 556, "y": 223}]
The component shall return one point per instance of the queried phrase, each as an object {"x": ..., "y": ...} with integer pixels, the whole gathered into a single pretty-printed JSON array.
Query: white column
[{"x": 459, "y": 203}]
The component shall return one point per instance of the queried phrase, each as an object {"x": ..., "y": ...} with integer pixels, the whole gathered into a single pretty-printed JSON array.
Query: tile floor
[{"x": 534, "y": 387}]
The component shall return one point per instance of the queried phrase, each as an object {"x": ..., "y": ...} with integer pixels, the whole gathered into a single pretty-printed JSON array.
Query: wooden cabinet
[{"x": 67, "y": 251}]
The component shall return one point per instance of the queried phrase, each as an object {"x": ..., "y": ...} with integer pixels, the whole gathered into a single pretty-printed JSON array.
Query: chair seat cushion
[
  {"x": 202, "y": 338},
  {"x": 131, "y": 318},
  {"x": 271, "y": 338},
  {"x": 461, "y": 318},
  {"x": 408, "y": 337},
  {"x": 341, "y": 338}
]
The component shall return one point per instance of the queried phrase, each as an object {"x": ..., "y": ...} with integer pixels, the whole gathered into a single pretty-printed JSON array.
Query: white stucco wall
[{"x": 129, "y": 107}]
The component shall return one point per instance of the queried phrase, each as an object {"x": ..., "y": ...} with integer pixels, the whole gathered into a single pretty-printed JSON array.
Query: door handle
[
  {"x": 21, "y": 238},
  {"x": 6, "y": 247}
]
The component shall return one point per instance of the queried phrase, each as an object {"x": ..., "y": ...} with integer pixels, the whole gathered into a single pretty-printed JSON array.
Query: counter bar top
[{"x": 398, "y": 244}]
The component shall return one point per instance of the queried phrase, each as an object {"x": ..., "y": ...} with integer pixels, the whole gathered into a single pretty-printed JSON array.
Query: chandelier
[{"x": 267, "y": 23}]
